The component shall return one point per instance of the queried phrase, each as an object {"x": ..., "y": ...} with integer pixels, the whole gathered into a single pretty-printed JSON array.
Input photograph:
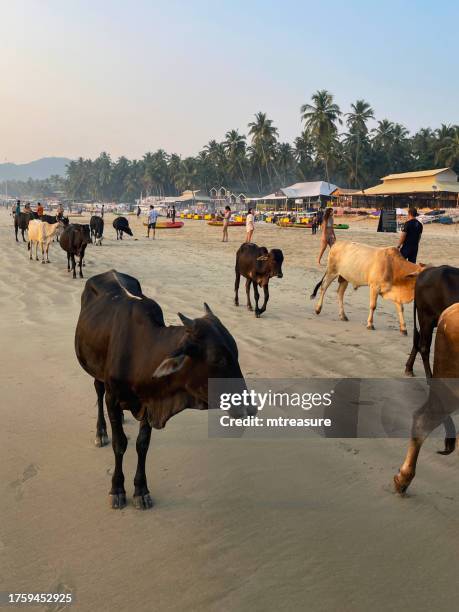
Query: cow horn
[
  {"x": 208, "y": 309},
  {"x": 185, "y": 320},
  {"x": 262, "y": 258}
]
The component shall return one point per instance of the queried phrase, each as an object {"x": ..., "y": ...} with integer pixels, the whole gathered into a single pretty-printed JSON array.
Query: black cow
[
  {"x": 21, "y": 222},
  {"x": 74, "y": 240},
  {"x": 435, "y": 290},
  {"x": 257, "y": 265},
  {"x": 97, "y": 229},
  {"x": 121, "y": 224},
  {"x": 143, "y": 366}
]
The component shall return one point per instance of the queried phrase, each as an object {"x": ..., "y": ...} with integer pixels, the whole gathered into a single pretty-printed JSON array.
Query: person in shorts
[{"x": 152, "y": 218}]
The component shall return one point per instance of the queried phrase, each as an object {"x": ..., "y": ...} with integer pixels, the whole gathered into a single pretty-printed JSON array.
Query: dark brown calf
[{"x": 257, "y": 265}]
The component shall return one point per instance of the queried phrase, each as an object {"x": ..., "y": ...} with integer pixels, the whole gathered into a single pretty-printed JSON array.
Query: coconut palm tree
[
  {"x": 321, "y": 119},
  {"x": 361, "y": 113},
  {"x": 264, "y": 137},
  {"x": 235, "y": 148},
  {"x": 448, "y": 154}
]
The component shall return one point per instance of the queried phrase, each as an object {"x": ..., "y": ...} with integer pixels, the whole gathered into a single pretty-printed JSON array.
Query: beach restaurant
[
  {"x": 297, "y": 197},
  {"x": 423, "y": 189}
]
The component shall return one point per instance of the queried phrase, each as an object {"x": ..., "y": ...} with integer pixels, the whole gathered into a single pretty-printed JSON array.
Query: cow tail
[{"x": 316, "y": 288}]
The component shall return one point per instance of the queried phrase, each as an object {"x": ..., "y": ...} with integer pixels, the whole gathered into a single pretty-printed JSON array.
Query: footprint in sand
[
  {"x": 62, "y": 586},
  {"x": 30, "y": 471}
]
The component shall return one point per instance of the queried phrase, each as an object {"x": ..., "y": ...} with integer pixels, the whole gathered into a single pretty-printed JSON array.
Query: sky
[{"x": 78, "y": 77}]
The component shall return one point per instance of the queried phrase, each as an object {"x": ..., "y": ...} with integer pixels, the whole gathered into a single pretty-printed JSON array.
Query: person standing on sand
[
  {"x": 39, "y": 210},
  {"x": 173, "y": 213},
  {"x": 410, "y": 236},
  {"x": 152, "y": 218},
  {"x": 226, "y": 220},
  {"x": 328, "y": 233},
  {"x": 102, "y": 211},
  {"x": 18, "y": 207},
  {"x": 138, "y": 211},
  {"x": 249, "y": 225}
]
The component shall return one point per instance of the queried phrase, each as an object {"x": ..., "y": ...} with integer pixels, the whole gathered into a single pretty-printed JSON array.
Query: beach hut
[
  {"x": 297, "y": 196},
  {"x": 423, "y": 189}
]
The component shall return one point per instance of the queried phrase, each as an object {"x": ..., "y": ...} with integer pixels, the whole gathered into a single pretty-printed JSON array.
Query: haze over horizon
[{"x": 83, "y": 77}]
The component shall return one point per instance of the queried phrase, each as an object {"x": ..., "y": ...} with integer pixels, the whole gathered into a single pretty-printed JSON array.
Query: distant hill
[{"x": 38, "y": 169}]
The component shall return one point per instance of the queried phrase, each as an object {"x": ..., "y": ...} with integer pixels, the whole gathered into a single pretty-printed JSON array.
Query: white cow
[{"x": 42, "y": 233}]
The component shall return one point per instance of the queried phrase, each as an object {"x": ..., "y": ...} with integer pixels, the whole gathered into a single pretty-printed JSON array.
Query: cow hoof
[
  {"x": 344, "y": 318},
  {"x": 143, "y": 502},
  {"x": 236, "y": 303},
  {"x": 101, "y": 439},
  {"x": 404, "y": 332},
  {"x": 48, "y": 261},
  {"x": 400, "y": 487},
  {"x": 117, "y": 500},
  {"x": 43, "y": 262},
  {"x": 250, "y": 308},
  {"x": 409, "y": 373},
  {"x": 317, "y": 311},
  {"x": 371, "y": 327}
]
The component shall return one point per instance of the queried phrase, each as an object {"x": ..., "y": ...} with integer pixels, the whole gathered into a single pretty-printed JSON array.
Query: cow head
[
  {"x": 273, "y": 262},
  {"x": 207, "y": 350}
]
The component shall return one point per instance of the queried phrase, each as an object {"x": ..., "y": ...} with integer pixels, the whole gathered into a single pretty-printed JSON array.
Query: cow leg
[
  {"x": 119, "y": 444},
  {"x": 425, "y": 420},
  {"x": 68, "y": 262},
  {"x": 80, "y": 263},
  {"x": 373, "y": 300},
  {"x": 248, "y": 282},
  {"x": 101, "y": 431},
  {"x": 36, "y": 252},
  {"x": 328, "y": 279},
  {"x": 73, "y": 265},
  {"x": 414, "y": 351},
  {"x": 426, "y": 333},
  {"x": 23, "y": 237},
  {"x": 236, "y": 287},
  {"x": 47, "y": 250},
  {"x": 342, "y": 286},
  {"x": 142, "y": 499},
  {"x": 401, "y": 318},
  {"x": 259, "y": 312},
  {"x": 16, "y": 233},
  {"x": 30, "y": 247}
]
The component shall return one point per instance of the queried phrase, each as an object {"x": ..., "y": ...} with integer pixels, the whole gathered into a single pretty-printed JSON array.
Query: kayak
[
  {"x": 167, "y": 224},
  {"x": 231, "y": 223},
  {"x": 295, "y": 225},
  {"x": 341, "y": 226}
]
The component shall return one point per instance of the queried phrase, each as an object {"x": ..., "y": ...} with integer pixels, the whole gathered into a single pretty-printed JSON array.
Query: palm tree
[
  {"x": 320, "y": 119},
  {"x": 264, "y": 138},
  {"x": 357, "y": 120},
  {"x": 235, "y": 148},
  {"x": 448, "y": 154}
]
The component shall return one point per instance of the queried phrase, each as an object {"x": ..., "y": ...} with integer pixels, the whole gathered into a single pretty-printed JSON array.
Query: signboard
[{"x": 387, "y": 221}]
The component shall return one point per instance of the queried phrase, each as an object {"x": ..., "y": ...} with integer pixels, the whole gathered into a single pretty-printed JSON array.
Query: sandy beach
[{"x": 237, "y": 525}]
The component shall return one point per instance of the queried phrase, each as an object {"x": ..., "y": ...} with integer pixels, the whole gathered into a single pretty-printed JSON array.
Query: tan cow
[
  {"x": 383, "y": 269},
  {"x": 42, "y": 233},
  {"x": 443, "y": 396}
]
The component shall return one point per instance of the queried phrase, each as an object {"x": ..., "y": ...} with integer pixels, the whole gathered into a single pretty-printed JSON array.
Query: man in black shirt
[{"x": 410, "y": 236}]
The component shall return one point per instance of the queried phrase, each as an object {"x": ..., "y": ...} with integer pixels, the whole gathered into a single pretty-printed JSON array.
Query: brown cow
[
  {"x": 443, "y": 395},
  {"x": 257, "y": 265},
  {"x": 384, "y": 270}
]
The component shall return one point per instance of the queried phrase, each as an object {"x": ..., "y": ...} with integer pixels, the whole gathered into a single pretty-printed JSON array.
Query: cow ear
[
  {"x": 413, "y": 274},
  {"x": 169, "y": 366},
  {"x": 207, "y": 309},
  {"x": 185, "y": 320}
]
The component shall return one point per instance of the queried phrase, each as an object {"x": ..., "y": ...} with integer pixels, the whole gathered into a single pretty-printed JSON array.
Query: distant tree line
[{"x": 335, "y": 146}]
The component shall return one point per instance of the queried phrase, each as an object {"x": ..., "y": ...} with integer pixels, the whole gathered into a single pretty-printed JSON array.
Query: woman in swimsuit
[{"x": 226, "y": 219}]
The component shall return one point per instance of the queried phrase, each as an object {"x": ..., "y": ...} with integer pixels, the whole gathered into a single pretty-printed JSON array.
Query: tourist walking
[
  {"x": 226, "y": 220},
  {"x": 152, "y": 218},
  {"x": 249, "y": 225},
  {"x": 410, "y": 236},
  {"x": 328, "y": 233}
]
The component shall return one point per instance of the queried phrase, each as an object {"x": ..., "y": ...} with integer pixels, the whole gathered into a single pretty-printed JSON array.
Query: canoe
[
  {"x": 341, "y": 226},
  {"x": 231, "y": 223},
  {"x": 295, "y": 225},
  {"x": 167, "y": 224}
]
